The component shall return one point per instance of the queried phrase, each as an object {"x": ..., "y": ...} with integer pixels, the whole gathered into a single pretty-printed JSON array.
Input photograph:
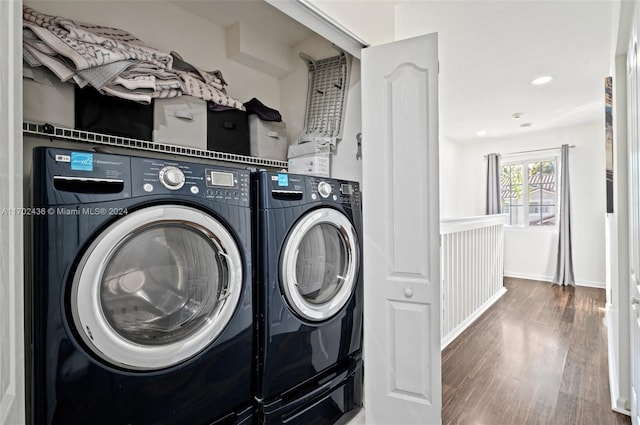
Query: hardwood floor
[{"x": 537, "y": 356}]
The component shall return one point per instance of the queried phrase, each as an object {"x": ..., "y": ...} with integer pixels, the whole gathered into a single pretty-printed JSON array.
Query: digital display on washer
[
  {"x": 217, "y": 178},
  {"x": 346, "y": 189}
]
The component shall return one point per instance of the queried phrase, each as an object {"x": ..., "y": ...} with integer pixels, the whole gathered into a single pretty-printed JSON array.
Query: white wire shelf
[{"x": 73, "y": 135}]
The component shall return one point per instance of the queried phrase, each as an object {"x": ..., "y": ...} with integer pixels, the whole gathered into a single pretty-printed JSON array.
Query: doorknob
[
  {"x": 408, "y": 292},
  {"x": 635, "y": 301}
]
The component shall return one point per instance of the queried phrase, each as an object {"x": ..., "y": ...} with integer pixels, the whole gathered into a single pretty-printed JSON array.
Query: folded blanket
[
  {"x": 212, "y": 78},
  {"x": 115, "y": 62},
  {"x": 90, "y": 45},
  {"x": 197, "y": 88}
]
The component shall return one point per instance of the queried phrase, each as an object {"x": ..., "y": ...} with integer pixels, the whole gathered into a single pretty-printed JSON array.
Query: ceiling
[
  {"x": 489, "y": 51},
  {"x": 257, "y": 14}
]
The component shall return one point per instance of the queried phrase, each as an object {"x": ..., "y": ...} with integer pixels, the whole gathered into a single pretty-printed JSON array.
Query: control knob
[
  {"x": 171, "y": 177},
  {"x": 324, "y": 189}
]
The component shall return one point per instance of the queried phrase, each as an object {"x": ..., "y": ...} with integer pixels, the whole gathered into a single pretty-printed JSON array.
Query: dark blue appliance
[
  {"x": 139, "y": 308},
  {"x": 310, "y": 298}
]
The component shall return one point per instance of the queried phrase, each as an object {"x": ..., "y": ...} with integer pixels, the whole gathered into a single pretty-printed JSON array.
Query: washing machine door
[
  {"x": 320, "y": 263},
  {"x": 157, "y": 287}
]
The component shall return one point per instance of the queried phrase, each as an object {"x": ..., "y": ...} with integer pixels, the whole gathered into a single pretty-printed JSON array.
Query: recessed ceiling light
[
  {"x": 542, "y": 80},
  {"x": 481, "y": 133},
  {"x": 526, "y": 124}
]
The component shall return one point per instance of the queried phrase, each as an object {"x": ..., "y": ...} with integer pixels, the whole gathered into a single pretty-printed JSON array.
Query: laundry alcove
[
  {"x": 185, "y": 28},
  {"x": 257, "y": 60}
]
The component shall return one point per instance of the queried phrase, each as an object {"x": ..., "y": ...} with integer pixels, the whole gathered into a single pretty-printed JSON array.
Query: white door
[
  {"x": 11, "y": 258},
  {"x": 634, "y": 220},
  {"x": 401, "y": 232},
  {"x": 635, "y": 351}
]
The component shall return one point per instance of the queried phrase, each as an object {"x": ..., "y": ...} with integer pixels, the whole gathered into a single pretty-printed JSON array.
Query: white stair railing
[{"x": 472, "y": 255}]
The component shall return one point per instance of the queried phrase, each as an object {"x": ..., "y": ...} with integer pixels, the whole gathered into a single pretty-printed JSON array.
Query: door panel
[
  {"x": 410, "y": 373},
  {"x": 401, "y": 232}
]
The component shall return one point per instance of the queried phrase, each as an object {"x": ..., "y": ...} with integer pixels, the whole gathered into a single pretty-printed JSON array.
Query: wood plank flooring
[{"x": 537, "y": 356}]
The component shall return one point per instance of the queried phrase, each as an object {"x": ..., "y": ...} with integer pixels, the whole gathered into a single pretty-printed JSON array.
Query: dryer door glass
[
  {"x": 157, "y": 287},
  {"x": 320, "y": 264},
  {"x": 162, "y": 283}
]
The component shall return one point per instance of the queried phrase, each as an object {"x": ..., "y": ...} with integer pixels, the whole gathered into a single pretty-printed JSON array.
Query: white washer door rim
[
  {"x": 86, "y": 307},
  {"x": 305, "y": 309}
]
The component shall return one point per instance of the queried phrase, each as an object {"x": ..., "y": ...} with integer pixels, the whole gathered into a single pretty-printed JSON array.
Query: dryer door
[
  {"x": 157, "y": 287},
  {"x": 320, "y": 264}
]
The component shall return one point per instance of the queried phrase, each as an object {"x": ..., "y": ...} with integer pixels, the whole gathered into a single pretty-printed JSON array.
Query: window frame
[{"x": 523, "y": 161}]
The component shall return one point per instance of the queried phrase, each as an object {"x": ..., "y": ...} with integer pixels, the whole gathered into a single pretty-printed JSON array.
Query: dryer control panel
[
  {"x": 345, "y": 192},
  {"x": 160, "y": 176},
  {"x": 342, "y": 191},
  {"x": 291, "y": 189}
]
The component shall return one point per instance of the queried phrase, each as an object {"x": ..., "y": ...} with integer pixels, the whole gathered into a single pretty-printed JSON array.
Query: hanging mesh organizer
[{"x": 326, "y": 99}]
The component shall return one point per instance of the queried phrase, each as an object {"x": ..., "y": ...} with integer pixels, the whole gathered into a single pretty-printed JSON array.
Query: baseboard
[
  {"x": 472, "y": 318},
  {"x": 586, "y": 283},
  {"x": 617, "y": 404},
  {"x": 359, "y": 419},
  {"x": 528, "y": 276},
  {"x": 599, "y": 285}
]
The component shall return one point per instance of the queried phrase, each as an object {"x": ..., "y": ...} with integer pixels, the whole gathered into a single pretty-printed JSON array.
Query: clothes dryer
[
  {"x": 310, "y": 297},
  {"x": 139, "y": 305}
]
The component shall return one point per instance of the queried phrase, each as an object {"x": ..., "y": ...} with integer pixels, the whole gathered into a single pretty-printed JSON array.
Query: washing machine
[
  {"x": 310, "y": 298},
  {"x": 139, "y": 301}
]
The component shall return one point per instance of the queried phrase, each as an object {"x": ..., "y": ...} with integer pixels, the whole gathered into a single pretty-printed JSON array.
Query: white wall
[
  {"x": 450, "y": 179},
  {"x": 531, "y": 253},
  {"x": 345, "y": 165},
  {"x": 170, "y": 28},
  {"x": 293, "y": 94}
]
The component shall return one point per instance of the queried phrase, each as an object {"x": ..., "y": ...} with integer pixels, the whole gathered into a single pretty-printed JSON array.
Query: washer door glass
[
  {"x": 320, "y": 264},
  {"x": 157, "y": 287}
]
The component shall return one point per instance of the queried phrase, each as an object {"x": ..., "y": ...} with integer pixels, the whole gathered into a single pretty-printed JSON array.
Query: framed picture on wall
[{"x": 608, "y": 119}]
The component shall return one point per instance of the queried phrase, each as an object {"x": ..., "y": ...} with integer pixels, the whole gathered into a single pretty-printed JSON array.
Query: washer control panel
[{"x": 217, "y": 183}]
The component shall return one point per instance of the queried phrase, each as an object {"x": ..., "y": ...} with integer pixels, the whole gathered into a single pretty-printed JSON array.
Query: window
[{"x": 529, "y": 192}]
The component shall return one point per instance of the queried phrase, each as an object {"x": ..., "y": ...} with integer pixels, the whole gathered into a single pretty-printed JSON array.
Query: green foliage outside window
[{"x": 538, "y": 207}]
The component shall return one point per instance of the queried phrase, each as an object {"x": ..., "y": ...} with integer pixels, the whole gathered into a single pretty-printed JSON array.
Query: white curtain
[
  {"x": 493, "y": 184},
  {"x": 564, "y": 266}
]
